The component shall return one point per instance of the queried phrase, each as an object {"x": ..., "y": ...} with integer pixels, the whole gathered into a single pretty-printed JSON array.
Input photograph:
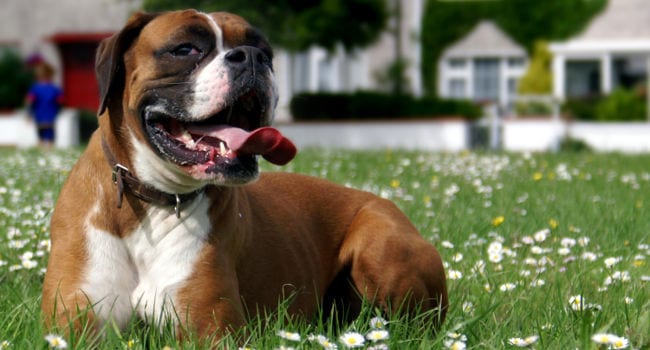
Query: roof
[
  {"x": 621, "y": 19},
  {"x": 486, "y": 39},
  {"x": 623, "y": 26}
]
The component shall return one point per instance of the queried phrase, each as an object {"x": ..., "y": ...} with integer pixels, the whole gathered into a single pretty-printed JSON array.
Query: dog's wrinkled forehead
[{"x": 226, "y": 29}]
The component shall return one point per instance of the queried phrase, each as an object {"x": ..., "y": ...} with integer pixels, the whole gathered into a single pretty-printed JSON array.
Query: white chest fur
[{"x": 143, "y": 272}]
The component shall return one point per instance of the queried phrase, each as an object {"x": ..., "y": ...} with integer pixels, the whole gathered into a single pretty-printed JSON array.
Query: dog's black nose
[{"x": 247, "y": 56}]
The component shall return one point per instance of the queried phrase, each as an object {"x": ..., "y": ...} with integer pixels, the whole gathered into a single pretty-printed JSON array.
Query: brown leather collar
[{"x": 123, "y": 178}]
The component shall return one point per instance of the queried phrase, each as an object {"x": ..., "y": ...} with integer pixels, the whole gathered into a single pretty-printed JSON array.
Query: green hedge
[
  {"x": 15, "y": 80},
  {"x": 364, "y": 105},
  {"x": 621, "y": 105}
]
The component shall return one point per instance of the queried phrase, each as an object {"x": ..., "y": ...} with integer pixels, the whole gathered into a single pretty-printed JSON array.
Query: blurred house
[
  {"x": 484, "y": 66},
  {"x": 66, "y": 34},
  {"x": 318, "y": 70},
  {"x": 612, "y": 52}
]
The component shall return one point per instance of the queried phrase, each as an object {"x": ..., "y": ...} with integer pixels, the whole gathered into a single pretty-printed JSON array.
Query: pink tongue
[{"x": 267, "y": 142}]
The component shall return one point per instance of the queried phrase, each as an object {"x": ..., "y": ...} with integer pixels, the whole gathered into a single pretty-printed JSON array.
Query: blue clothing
[
  {"x": 46, "y": 134},
  {"x": 45, "y": 99}
]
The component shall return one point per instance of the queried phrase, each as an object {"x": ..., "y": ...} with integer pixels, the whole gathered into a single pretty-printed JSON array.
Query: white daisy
[
  {"x": 609, "y": 262},
  {"x": 603, "y": 338},
  {"x": 56, "y": 341},
  {"x": 455, "y": 275},
  {"x": 468, "y": 307},
  {"x": 541, "y": 235},
  {"x": 323, "y": 341},
  {"x": 455, "y": 345},
  {"x": 576, "y": 303},
  {"x": 352, "y": 340},
  {"x": 289, "y": 335},
  {"x": 619, "y": 342},
  {"x": 519, "y": 342},
  {"x": 447, "y": 244},
  {"x": 377, "y": 335},
  {"x": 378, "y": 323}
]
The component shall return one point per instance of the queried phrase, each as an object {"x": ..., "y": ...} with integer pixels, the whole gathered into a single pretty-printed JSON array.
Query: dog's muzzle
[{"x": 234, "y": 135}]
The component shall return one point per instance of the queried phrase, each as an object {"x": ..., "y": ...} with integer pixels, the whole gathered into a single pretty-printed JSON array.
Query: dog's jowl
[{"x": 166, "y": 216}]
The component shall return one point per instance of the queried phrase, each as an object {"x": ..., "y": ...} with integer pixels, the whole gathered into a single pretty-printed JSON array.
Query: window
[
  {"x": 457, "y": 63},
  {"x": 513, "y": 84},
  {"x": 582, "y": 78},
  {"x": 326, "y": 75},
  {"x": 515, "y": 62},
  {"x": 457, "y": 88},
  {"x": 486, "y": 79},
  {"x": 300, "y": 72}
]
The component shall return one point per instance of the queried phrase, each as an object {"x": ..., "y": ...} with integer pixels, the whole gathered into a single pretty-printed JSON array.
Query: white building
[
  {"x": 613, "y": 51},
  {"x": 51, "y": 26},
  {"x": 317, "y": 70},
  {"x": 483, "y": 66}
]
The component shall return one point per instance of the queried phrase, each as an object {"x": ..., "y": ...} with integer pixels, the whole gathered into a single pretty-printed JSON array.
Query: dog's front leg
[{"x": 210, "y": 299}]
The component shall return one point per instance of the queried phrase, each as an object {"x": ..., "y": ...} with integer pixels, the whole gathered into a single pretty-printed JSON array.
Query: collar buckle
[
  {"x": 177, "y": 207},
  {"x": 118, "y": 170}
]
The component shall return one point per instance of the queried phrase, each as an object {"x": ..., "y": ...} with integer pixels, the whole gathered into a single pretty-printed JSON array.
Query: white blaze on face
[{"x": 212, "y": 84}]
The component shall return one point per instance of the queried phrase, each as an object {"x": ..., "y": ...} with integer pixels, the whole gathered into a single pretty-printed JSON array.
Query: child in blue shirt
[{"x": 44, "y": 99}]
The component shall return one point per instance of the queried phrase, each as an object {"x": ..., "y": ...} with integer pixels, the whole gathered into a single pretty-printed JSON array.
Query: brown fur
[{"x": 284, "y": 235}]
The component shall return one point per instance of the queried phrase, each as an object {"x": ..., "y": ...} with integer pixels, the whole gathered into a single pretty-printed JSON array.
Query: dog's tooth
[
  {"x": 191, "y": 144},
  {"x": 222, "y": 148}
]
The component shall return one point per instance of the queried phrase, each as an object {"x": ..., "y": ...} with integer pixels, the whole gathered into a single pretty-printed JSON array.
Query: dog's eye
[{"x": 185, "y": 50}]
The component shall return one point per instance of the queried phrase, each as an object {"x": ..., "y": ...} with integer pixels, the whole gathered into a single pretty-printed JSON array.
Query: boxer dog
[{"x": 165, "y": 216}]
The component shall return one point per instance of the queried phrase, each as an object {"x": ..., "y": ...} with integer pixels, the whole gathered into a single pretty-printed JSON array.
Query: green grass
[{"x": 541, "y": 227}]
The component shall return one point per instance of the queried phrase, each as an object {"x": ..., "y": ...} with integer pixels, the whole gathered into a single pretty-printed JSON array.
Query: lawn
[{"x": 548, "y": 251}]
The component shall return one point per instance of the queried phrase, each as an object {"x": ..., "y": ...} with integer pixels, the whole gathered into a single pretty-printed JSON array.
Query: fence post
[{"x": 492, "y": 111}]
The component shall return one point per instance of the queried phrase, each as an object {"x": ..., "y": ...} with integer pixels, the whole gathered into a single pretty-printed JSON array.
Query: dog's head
[{"x": 190, "y": 94}]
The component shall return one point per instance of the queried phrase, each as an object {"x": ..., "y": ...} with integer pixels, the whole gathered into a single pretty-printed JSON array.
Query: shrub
[
  {"x": 581, "y": 108},
  {"x": 87, "y": 124},
  {"x": 569, "y": 144},
  {"x": 15, "y": 80},
  {"x": 621, "y": 105},
  {"x": 533, "y": 108},
  {"x": 367, "y": 105},
  {"x": 538, "y": 79}
]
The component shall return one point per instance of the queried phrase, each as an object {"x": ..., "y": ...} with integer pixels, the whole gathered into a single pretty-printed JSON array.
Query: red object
[{"x": 78, "y": 57}]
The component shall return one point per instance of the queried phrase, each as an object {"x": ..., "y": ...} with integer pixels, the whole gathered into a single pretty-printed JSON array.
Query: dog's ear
[{"x": 109, "y": 65}]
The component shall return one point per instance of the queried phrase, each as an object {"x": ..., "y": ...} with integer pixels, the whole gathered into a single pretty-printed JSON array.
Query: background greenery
[
  {"x": 15, "y": 80},
  {"x": 621, "y": 105},
  {"x": 368, "y": 105},
  {"x": 465, "y": 203},
  {"x": 526, "y": 21},
  {"x": 298, "y": 24}
]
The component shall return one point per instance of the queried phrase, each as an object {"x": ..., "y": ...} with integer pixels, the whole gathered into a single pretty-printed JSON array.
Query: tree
[
  {"x": 298, "y": 24},
  {"x": 538, "y": 78}
]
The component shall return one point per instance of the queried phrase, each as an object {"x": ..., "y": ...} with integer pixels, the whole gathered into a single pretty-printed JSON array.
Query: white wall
[
  {"x": 18, "y": 130},
  {"x": 28, "y": 24},
  {"x": 536, "y": 135},
  {"x": 425, "y": 135},
  {"x": 544, "y": 135}
]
